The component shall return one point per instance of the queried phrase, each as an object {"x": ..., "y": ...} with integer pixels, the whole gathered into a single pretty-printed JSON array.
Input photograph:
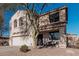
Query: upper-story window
[
  {"x": 15, "y": 23},
  {"x": 54, "y": 17},
  {"x": 21, "y": 21}
]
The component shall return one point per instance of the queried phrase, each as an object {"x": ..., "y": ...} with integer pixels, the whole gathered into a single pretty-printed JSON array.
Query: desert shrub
[{"x": 24, "y": 48}]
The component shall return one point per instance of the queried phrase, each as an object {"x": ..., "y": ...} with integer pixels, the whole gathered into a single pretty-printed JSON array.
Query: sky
[{"x": 73, "y": 16}]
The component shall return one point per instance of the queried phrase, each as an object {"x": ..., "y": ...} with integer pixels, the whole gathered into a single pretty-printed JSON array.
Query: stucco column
[{"x": 62, "y": 41}]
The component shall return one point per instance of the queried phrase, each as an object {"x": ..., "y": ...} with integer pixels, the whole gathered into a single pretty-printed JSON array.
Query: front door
[{"x": 40, "y": 40}]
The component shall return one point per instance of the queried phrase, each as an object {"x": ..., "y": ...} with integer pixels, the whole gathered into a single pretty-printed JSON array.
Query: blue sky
[{"x": 73, "y": 16}]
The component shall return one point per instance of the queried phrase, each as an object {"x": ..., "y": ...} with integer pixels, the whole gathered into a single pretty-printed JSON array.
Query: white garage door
[{"x": 18, "y": 41}]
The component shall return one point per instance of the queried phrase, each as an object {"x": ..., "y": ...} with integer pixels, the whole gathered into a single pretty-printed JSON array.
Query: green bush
[{"x": 24, "y": 48}]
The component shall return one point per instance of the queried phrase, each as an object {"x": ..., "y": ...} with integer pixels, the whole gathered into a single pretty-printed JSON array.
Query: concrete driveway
[{"x": 14, "y": 51}]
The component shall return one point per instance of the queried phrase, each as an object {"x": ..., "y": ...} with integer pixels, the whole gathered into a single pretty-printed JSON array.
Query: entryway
[
  {"x": 48, "y": 39},
  {"x": 40, "y": 40}
]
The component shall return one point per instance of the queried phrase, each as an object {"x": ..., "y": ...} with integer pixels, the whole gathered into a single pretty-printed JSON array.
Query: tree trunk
[
  {"x": 34, "y": 43},
  {"x": 34, "y": 36}
]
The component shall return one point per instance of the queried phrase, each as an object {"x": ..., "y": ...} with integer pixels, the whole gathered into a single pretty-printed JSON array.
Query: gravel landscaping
[{"x": 14, "y": 51}]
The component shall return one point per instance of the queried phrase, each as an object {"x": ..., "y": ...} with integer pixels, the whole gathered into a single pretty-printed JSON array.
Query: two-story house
[{"x": 52, "y": 26}]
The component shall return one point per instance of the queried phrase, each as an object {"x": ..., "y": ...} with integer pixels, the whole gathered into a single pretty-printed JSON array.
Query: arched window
[
  {"x": 15, "y": 23},
  {"x": 21, "y": 21}
]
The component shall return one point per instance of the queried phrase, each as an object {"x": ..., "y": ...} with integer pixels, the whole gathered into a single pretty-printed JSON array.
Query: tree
[
  {"x": 3, "y": 28},
  {"x": 1, "y": 25},
  {"x": 32, "y": 12},
  {"x": 35, "y": 21}
]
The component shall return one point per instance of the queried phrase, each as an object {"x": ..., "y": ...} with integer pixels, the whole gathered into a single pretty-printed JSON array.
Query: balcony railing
[{"x": 51, "y": 26}]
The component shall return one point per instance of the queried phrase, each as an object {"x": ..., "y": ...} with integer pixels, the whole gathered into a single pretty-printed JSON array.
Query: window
[
  {"x": 21, "y": 21},
  {"x": 54, "y": 17},
  {"x": 54, "y": 35},
  {"x": 15, "y": 23}
]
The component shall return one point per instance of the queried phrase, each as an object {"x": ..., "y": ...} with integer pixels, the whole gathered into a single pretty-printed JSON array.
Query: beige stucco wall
[{"x": 18, "y": 36}]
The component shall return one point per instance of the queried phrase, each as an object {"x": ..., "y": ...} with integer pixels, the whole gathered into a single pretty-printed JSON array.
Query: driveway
[{"x": 14, "y": 51}]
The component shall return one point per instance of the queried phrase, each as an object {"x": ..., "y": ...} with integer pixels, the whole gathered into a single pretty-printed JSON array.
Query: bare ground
[{"x": 14, "y": 51}]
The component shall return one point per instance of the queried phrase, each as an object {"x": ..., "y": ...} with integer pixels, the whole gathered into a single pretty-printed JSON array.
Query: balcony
[{"x": 52, "y": 26}]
